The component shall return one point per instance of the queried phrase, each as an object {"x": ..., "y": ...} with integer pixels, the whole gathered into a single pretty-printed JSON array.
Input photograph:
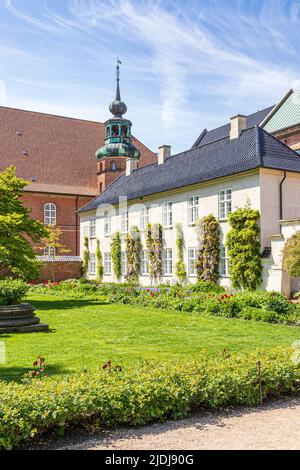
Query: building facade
[
  {"x": 240, "y": 164},
  {"x": 56, "y": 155}
]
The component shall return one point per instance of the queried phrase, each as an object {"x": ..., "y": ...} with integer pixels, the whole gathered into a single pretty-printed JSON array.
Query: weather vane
[{"x": 118, "y": 68}]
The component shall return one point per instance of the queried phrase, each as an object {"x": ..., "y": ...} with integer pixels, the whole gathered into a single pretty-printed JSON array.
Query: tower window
[
  {"x": 115, "y": 131},
  {"x": 113, "y": 166},
  {"x": 124, "y": 131},
  {"x": 50, "y": 214},
  {"x": 107, "y": 131}
]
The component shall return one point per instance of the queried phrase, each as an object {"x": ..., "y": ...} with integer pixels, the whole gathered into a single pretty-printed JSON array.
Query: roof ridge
[{"x": 51, "y": 115}]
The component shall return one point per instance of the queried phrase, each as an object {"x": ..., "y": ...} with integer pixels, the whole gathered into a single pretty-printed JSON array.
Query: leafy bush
[
  {"x": 206, "y": 286},
  {"x": 259, "y": 305},
  {"x": 12, "y": 291},
  {"x": 141, "y": 395}
]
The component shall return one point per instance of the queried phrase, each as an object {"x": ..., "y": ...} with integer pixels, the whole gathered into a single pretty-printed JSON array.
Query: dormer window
[{"x": 115, "y": 131}]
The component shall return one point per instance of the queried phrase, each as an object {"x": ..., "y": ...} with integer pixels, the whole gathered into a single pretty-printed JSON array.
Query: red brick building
[{"x": 57, "y": 156}]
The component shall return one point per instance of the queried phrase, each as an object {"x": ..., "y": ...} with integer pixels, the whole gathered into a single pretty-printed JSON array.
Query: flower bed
[
  {"x": 142, "y": 395},
  {"x": 203, "y": 297}
]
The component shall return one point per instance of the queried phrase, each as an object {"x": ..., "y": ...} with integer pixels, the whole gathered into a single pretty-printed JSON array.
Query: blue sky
[{"x": 186, "y": 64}]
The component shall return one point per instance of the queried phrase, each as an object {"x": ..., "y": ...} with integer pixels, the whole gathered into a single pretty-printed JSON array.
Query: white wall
[{"x": 244, "y": 188}]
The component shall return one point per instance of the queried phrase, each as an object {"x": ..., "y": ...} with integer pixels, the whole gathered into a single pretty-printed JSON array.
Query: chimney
[
  {"x": 131, "y": 165},
  {"x": 164, "y": 153},
  {"x": 238, "y": 124}
]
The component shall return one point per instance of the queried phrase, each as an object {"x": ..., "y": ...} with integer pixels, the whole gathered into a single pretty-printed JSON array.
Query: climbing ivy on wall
[
  {"x": 100, "y": 268},
  {"x": 180, "y": 271},
  {"x": 208, "y": 234},
  {"x": 115, "y": 249},
  {"x": 133, "y": 248},
  {"x": 86, "y": 256},
  {"x": 243, "y": 244},
  {"x": 154, "y": 251}
]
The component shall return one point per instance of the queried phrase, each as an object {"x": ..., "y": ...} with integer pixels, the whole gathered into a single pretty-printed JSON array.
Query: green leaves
[
  {"x": 100, "y": 268},
  {"x": 17, "y": 229},
  {"x": 133, "y": 252},
  {"x": 207, "y": 264},
  {"x": 291, "y": 255},
  {"x": 141, "y": 395},
  {"x": 180, "y": 272},
  {"x": 12, "y": 291},
  {"x": 115, "y": 249},
  {"x": 243, "y": 244}
]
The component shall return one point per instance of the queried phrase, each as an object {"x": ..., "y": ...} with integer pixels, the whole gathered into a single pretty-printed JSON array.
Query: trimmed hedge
[
  {"x": 141, "y": 395},
  {"x": 12, "y": 291}
]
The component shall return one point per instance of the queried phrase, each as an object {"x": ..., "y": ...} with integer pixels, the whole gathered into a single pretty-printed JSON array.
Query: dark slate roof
[
  {"x": 253, "y": 149},
  {"x": 207, "y": 137}
]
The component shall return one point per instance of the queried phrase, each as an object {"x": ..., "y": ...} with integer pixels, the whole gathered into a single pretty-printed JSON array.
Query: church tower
[{"x": 111, "y": 158}]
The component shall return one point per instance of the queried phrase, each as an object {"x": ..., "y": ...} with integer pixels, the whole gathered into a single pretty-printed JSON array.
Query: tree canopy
[
  {"x": 17, "y": 229},
  {"x": 291, "y": 255}
]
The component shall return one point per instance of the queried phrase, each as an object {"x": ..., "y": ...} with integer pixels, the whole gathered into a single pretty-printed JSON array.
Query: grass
[{"x": 84, "y": 334}]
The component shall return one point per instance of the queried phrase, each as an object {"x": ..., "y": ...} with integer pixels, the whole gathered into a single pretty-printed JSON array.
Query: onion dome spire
[{"x": 118, "y": 107}]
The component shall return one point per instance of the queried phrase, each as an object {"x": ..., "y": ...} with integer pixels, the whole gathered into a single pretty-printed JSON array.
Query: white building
[{"x": 225, "y": 168}]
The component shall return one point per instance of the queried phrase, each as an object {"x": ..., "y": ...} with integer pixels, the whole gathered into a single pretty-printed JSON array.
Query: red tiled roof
[{"x": 59, "y": 152}]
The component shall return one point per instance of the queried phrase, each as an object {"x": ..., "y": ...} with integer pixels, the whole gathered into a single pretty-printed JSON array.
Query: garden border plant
[
  {"x": 116, "y": 254},
  {"x": 180, "y": 271},
  {"x": 141, "y": 395},
  {"x": 154, "y": 251}
]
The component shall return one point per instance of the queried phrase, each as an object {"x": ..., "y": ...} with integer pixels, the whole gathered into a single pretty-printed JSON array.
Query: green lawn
[{"x": 83, "y": 335}]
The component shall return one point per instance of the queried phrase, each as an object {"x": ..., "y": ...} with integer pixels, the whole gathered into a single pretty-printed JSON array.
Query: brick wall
[
  {"x": 60, "y": 270},
  {"x": 290, "y": 137},
  {"x": 66, "y": 218}
]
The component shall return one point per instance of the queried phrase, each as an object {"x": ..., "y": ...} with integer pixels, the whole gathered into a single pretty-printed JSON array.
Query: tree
[
  {"x": 17, "y": 229},
  {"x": 291, "y": 255},
  {"x": 243, "y": 244},
  {"x": 100, "y": 269},
  {"x": 208, "y": 234},
  {"x": 52, "y": 241},
  {"x": 116, "y": 253},
  {"x": 180, "y": 270}
]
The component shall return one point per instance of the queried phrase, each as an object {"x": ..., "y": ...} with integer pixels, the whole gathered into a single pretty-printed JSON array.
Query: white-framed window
[
  {"x": 144, "y": 217},
  {"x": 167, "y": 262},
  {"x": 144, "y": 263},
  {"x": 167, "y": 214},
  {"x": 225, "y": 203},
  {"x": 193, "y": 209},
  {"x": 224, "y": 261},
  {"x": 107, "y": 223},
  {"x": 124, "y": 222},
  {"x": 92, "y": 264},
  {"x": 49, "y": 214},
  {"x": 123, "y": 263},
  {"x": 49, "y": 251},
  {"x": 107, "y": 263},
  {"x": 86, "y": 231},
  {"x": 192, "y": 258},
  {"x": 92, "y": 228}
]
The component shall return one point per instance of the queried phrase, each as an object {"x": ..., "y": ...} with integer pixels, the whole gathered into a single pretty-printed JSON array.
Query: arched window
[
  {"x": 107, "y": 131},
  {"x": 113, "y": 166},
  {"x": 124, "y": 131},
  {"x": 115, "y": 130},
  {"x": 50, "y": 214}
]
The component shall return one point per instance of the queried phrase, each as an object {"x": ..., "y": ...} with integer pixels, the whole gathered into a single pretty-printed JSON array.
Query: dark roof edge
[
  {"x": 81, "y": 208},
  {"x": 280, "y": 142},
  {"x": 275, "y": 109},
  {"x": 198, "y": 140}
]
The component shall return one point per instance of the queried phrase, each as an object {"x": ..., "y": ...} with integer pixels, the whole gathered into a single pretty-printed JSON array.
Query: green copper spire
[{"x": 117, "y": 129}]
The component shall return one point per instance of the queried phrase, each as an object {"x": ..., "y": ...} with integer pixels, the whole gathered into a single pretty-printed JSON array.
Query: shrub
[
  {"x": 12, "y": 291},
  {"x": 206, "y": 286},
  {"x": 141, "y": 395}
]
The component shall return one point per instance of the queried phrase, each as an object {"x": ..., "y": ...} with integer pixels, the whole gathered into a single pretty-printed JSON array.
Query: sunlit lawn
[{"x": 83, "y": 335}]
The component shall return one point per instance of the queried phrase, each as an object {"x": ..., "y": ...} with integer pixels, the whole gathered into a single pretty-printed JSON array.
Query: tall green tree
[
  {"x": 17, "y": 229},
  {"x": 243, "y": 244},
  {"x": 291, "y": 255}
]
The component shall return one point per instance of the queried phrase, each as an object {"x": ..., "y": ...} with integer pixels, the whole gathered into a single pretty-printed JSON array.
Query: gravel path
[{"x": 276, "y": 425}]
